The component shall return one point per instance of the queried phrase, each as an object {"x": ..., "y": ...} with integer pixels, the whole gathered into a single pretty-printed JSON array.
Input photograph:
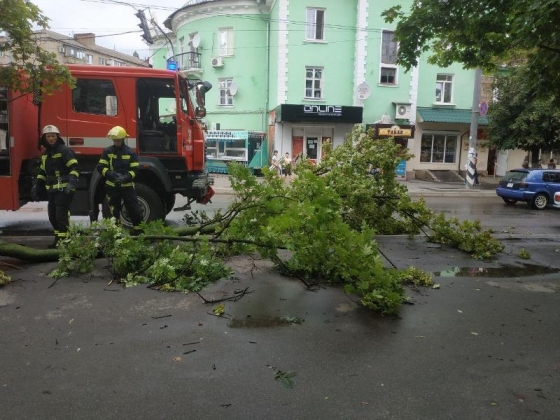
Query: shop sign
[
  {"x": 392, "y": 130},
  {"x": 323, "y": 110},
  {"x": 395, "y": 131},
  {"x": 318, "y": 113},
  {"x": 226, "y": 135}
]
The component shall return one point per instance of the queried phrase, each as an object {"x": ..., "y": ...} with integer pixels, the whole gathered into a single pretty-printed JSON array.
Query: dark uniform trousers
[
  {"x": 127, "y": 195},
  {"x": 58, "y": 210}
]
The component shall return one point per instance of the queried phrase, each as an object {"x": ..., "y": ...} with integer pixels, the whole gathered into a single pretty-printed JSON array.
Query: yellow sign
[{"x": 395, "y": 131}]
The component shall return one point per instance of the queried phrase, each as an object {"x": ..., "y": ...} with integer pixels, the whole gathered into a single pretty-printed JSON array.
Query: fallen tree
[{"x": 319, "y": 228}]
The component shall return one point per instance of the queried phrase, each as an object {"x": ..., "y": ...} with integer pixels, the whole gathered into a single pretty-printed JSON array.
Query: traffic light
[{"x": 144, "y": 26}]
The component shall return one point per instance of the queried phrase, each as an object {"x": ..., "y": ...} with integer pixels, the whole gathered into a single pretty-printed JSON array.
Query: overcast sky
[{"x": 106, "y": 18}]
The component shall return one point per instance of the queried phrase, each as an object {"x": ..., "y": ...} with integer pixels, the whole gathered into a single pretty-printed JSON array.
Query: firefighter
[
  {"x": 57, "y": 179},
  {"x": 118, "y": 166}
]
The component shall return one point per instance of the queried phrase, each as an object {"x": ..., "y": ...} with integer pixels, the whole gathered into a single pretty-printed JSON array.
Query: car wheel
[
  {"x": 540, "y": 201},
  {"x": 509, "y": 201}
]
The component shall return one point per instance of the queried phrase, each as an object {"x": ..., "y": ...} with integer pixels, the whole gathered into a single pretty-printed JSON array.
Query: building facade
[
  {"x": 305, "y": 72},
  {"x": 79, "y": 49}
]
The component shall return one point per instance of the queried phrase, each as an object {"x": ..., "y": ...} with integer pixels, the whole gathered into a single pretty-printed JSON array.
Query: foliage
[
  {"x": 468, "y": 236},
  {"x": 137, "y": 260},
  {"x": 416, "y": 277},
  {"x": 4, "y": 278},
  {"x": 285, "y": 377},
  {"x": 42, "y": 74},
  {"x": 483, "y": 34},
  {"x": 520, "y": 119},
  {"x": 524, "y": 254},
  {"x": 319, "y": 228},
  {"x": 77, "y": 253}
]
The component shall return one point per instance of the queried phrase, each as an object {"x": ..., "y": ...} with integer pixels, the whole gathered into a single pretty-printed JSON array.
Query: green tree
[
  {"x": 485, "y": 34},
  {"x": 32, "y": 69},
  {"x": 520, "y": 119}
]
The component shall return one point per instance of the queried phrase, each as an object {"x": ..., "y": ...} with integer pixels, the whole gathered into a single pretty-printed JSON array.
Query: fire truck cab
[{"x": 159, "y": 109}]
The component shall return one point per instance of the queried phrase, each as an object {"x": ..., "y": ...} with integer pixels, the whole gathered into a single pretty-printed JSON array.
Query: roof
[
  {"x": 67, "y": 40},
  {"x": 448, "y": 115}
]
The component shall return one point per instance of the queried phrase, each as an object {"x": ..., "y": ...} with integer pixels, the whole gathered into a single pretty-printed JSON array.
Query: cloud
[{"x": 108, "y": 20}]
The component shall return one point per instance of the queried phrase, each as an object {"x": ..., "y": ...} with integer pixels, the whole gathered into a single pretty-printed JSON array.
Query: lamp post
[{"x": 472, "y": 156}]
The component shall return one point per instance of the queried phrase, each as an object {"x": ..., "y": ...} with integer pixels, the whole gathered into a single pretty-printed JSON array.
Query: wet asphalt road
[{"x": 482, "y": 346}]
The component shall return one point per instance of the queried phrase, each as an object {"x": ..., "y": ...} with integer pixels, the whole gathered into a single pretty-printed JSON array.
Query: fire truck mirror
[{"x": 200, "y": 112}]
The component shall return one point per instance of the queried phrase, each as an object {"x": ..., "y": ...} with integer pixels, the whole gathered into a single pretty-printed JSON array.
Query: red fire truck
[{"x": 160, "y": 111}]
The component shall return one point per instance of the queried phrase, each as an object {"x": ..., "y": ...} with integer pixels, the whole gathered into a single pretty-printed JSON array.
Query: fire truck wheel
[
  {"x": 169, "y": 202},
  {"x": 150, "y": 203}
]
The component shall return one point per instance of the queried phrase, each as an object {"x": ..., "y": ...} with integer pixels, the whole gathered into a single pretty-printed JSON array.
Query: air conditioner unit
[
  {"x": 217, "y": 62},
  {"x": 61, "y": 49},
  {"x": 403, "y": 111}
]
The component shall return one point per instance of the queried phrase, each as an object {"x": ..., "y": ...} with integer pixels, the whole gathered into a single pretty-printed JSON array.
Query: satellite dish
[
  {"x": 196, "y": 40},
  {"x": 232, "y": 88}
]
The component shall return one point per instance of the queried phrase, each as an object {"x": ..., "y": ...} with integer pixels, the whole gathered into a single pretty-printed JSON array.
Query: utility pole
[{"x": 472, "y": 157}]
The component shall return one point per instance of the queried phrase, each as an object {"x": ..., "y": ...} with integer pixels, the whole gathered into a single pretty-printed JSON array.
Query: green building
[{"x": 298, "y": 73}]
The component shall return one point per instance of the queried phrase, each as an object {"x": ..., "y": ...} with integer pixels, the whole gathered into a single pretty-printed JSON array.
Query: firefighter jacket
[
  {"x": 59, "y": 167},
  {"x": 118, "y": 166}
]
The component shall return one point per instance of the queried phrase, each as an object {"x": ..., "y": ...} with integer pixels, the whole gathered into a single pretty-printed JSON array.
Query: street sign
[{"x": 483, "y": 108}]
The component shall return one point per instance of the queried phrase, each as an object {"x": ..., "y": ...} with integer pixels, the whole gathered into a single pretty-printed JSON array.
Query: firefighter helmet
[
  {"x": 117, "y": 132},
  {"x": 50, "y": 129}
]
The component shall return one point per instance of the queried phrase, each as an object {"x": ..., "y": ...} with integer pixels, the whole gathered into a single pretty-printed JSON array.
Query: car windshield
[{"x": 515, "y": 176}]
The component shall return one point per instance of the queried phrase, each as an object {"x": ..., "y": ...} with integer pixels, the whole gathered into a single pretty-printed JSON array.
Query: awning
[{"x": 448, "y": 116}]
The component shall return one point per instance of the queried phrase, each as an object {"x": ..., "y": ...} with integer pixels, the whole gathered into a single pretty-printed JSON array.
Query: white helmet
[{"x": 48, "y": 129}]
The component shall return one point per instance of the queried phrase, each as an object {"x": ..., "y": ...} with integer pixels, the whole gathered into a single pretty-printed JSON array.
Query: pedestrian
[
  {"x": 475, "y": 175},
  {"x": 287, "y": 165},
  {"x": 57, "y": 180},
  {"x": 275, "y": 163},
  {"x": 551, "y": 164},
  {"x": 118, "y": 166}
]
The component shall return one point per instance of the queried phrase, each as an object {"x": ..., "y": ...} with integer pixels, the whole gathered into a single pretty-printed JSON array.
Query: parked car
[
  {"x": 557, "y": 200},
  {"x": 536, "y": 187}
]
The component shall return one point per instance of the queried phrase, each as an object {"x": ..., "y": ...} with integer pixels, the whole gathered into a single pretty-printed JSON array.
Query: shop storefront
[
  {"x": 400, "y": 133},
  {"x": 244, "y": 147},
  {"x": 303, "y": 130}
]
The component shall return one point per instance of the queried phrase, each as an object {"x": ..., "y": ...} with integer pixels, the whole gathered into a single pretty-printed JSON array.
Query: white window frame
[
  {"x": 444, "y": 81},
  {"x": 311, "y": 25},
  {"x": 313, "y": 80},
  {"x": 388, "y": 56},
  {"x": 224, "y": 97},
  {"x": 225, "y": 42}
]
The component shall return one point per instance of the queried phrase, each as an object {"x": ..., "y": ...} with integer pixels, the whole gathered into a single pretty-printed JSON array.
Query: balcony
[{"x": 188, "y": 63}]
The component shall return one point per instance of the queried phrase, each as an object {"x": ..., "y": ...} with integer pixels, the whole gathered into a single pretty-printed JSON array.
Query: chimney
[{"x": 86, "y": 39}]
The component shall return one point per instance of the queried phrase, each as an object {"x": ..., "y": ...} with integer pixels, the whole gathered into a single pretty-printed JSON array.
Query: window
[
  {"x": 444, "y": 89},
  {"x": 103, "y": 61},
  {"x": 89, "y": 59},
  {"x": 438, "y": 148},
  {"x": 315, "y": 25},
  {"x": 94, "y": 96},
  {"x": 388, "y": 76},
  {"x": 225, "y": 97},
  {"x": 389, "y": 46},
  {"x": 314, "y": 82},
  {"x": 225, "y": 40}
]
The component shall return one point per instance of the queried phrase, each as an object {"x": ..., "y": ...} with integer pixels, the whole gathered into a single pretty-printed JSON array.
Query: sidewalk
[{"x": 416, "y": 188}]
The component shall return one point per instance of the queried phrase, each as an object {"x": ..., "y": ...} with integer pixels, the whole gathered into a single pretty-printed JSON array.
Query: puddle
[
  {"x": 496, "y": 272},
  {"x": 264, "y": 322}
]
